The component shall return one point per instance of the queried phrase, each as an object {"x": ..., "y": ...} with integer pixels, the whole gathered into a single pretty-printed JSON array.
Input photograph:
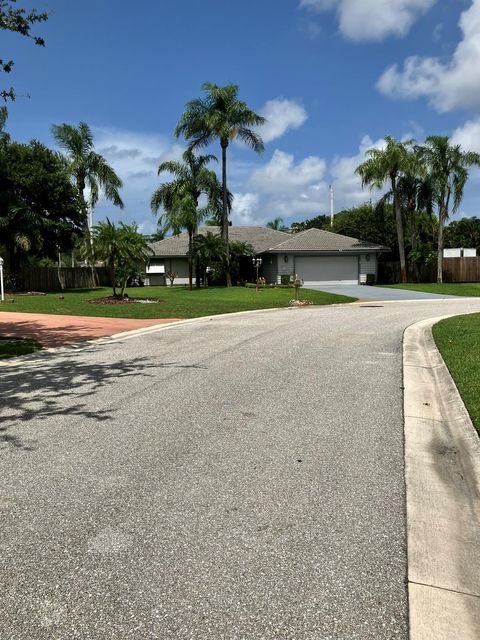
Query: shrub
[{"x": 285, "y": 278}]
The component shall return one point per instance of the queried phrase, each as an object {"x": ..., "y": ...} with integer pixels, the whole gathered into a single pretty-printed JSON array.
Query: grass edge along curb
[{"x": 458, "y": 340}]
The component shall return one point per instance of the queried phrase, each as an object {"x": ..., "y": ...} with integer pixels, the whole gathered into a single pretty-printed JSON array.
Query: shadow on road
[{"x": 50, "y": 386}]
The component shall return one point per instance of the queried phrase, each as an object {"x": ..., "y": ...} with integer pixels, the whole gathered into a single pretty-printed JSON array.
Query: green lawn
[
  {"x": 447, "y": 288},
  {"x": 177, "y": 302},
  {"x": 458, "y": 340},
  {"x": 10, "y": 348}
]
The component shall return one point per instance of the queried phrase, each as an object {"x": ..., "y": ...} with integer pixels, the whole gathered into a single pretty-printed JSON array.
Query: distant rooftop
[
  {"x": 265, "y": 240},
  {"x": 261, "y": 239},
  {"x": 312, "y": 240}
]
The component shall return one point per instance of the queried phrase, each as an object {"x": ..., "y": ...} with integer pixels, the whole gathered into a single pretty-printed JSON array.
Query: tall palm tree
[
  {"x": 388, "y": 165},
  {"x": 414, "y": 193},
  {"x": 87, "y": 169},
  {"x": 180, "y": 197},
  {"x": 448, "y": 171},
  {"x": 220, "y": 115}
]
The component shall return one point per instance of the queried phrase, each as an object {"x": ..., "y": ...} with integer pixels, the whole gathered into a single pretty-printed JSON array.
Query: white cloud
[
  {"x": 245, "y": 209},
  {"x": 135, "y": 158},
  {"x": 281, "y": 115},
  {"x": 365, "y": 20},
  {"x": 282, "y": 175},
  {"x": 448, "y": 85},
  {"x": 468, "y": 135},
  {"x": 298, "y": 190},
  {"x": 348, "y": 186}
]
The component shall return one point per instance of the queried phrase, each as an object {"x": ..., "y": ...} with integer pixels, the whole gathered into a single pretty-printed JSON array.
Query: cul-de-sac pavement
[{"x": 239, "y": 477}]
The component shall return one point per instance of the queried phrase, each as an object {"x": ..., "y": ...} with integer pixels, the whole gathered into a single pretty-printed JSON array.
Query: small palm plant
[{"x": 124, "y": 250}]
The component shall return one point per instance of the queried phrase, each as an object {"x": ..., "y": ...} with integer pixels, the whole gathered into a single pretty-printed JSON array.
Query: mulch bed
[{"x": 125, "y": 300}]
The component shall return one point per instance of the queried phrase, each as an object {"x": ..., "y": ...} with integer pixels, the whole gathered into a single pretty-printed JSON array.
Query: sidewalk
[{"x": 58, "y": 331}]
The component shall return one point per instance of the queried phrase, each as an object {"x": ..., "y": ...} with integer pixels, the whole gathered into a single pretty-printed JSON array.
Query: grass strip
[{"x": 458, "y": 340}]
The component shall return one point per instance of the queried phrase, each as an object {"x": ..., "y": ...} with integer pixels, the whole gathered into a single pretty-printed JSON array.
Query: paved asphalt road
[
  {"x": 235, "y": 478},
  {"x": 379, "y": 293}
]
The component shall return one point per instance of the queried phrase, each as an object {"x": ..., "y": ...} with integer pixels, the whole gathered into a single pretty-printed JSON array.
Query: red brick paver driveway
[{"x": 56, "y": 331}]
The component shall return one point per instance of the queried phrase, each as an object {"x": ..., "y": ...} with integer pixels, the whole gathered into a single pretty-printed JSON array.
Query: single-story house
[{"x": 319, "y": 257}]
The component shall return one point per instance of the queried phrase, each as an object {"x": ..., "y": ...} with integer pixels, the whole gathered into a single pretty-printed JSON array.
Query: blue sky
[{"x": 332, "y": 76}]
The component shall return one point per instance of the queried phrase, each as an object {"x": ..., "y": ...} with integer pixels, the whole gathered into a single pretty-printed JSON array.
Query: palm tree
[
  {"x": 387, "y": 166},
  {"x": 447, "y": 167},
  {"x": 277, "y": 224},
  {"x": 180, "y": 198},
  {"x": 124, "y": 250},
  {"x": 220, "y": 115},
  {"x": 209, "y": 252},
  {"x": 87, "y": 169},
  {"x": 414, "y": 193}
]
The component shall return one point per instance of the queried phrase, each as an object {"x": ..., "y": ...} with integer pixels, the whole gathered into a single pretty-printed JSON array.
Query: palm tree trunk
[
  {"x": 400, "y": 236},
  {"x": 87, "y": 230},
  {"x": 190, "y": 259},
  {"x": 413, "y": 220},
  {"x": 441, "y": 219},
  {"x": 225, "y": 212}
]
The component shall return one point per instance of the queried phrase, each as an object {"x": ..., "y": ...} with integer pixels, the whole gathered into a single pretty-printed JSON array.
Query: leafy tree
[
  {"x": 447, "y": 167},
  {"x": 87, "y": 169},
  {"x": 369, "y": 223},
  {"x": 40, "y": 213},
  {"x": 124, "y": 250},
  {"x": 180, "y": 197},
  {"x": 386, "y": 166},
  {"x": 220, "y": 115},
  {"x": 18, "y": 20},
  {"x": 463, "y": 233},
  {"x": 277, "y": 224},
  {"x": 319, "y": 222}
]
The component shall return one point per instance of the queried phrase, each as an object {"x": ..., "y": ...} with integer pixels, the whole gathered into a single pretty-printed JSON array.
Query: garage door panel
[{"x": 327, "y": 269}]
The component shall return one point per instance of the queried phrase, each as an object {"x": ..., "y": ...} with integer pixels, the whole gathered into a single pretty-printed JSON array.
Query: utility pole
[{"x": 331, "y": 205}]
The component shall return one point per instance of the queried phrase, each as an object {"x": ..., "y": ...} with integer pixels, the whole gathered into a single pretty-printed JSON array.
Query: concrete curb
[{"x": 442, "y": 472}]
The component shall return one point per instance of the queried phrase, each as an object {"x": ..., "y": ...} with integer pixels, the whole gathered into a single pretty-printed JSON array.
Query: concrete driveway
[
  {"x": 364, "y": 292},
  {"x": 234, "y": 478}
]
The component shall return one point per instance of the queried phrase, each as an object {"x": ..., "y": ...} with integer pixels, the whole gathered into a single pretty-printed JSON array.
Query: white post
[
  {"x": 331, "y": 205},
  {"x": 2, "y": 293}
]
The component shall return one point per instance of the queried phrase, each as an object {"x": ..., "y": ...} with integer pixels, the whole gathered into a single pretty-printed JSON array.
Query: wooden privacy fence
[
  {"x": 454, "y": 270},
  {"x": 48, "y": 278},
  {"x": 461, "y": 269}
]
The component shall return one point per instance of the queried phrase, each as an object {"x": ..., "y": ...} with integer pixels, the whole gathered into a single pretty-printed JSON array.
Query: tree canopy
[
  {"x": 19, "y": 20},
  {"x": 40, "y": 213}
]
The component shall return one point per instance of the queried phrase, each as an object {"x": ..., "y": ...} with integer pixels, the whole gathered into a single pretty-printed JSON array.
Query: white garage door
[{"x": 327, "y": 269}]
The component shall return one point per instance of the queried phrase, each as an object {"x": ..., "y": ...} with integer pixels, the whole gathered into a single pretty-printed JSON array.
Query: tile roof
[
  {"x": 313, "y": 240},
  {"x": 265, "y": 240},
  {"x": 261, "y": 239}
]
